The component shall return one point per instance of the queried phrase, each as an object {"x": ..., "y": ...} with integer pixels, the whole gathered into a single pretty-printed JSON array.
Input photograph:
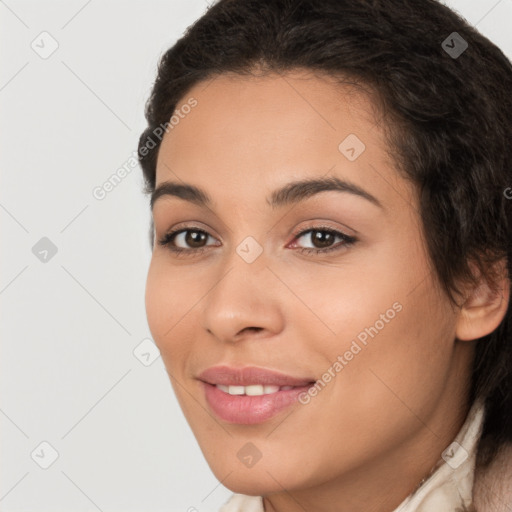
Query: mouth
[
  {"x": 253, "y": 389},
  {"x": 250, "y": 376},
  {"x": 250, "y": 395}
]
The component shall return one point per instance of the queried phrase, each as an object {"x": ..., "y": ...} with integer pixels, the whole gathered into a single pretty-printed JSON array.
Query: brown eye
[
  {"x": 323, "y": 240},
  {"x": 195, "y": 238},
  {"x": 185, "y": 240}
]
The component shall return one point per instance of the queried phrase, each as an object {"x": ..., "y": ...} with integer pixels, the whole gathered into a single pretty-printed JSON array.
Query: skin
[{"x": 376, "y": 430}]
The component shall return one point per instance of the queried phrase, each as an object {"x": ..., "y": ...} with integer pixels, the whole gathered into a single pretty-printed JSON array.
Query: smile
[
  {"x": 253, "y": 390},
  {"x": 250, "y": 395}
]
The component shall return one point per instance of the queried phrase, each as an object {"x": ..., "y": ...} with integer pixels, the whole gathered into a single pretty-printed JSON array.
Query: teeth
[
  {"x": 252, "y": 390},
  {"x": 236, "y": 390}
]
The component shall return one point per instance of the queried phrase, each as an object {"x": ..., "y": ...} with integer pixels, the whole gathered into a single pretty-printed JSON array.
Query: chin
[
  {"x": 267, "y": 476},
  {"x": 248, "y": 482}
]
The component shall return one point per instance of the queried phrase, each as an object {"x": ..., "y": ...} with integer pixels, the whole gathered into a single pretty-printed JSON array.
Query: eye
[
  {"x": 322, "y": 240},
  {"x": 183, "y": 241},
  {"x": 192, "y": 241}
]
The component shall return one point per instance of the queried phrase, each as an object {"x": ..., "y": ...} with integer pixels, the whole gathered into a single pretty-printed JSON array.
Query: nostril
[{"x": 255, "y": 329}]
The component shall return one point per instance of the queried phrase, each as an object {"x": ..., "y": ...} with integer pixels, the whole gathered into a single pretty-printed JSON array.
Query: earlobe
[{"x": 484, "y": 308}]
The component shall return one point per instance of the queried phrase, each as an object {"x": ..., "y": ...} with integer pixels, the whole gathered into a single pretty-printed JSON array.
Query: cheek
[
  {"x": 168, "y": 301},
  {"x": 170, "y": 316},
  {"x": 405, "y": 360},
  {"x": 158, "y": 303},
  {"x": 394, "y": 331}
]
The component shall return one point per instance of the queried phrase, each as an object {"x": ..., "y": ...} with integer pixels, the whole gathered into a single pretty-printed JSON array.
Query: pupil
[
  {"x": 323, "y": 238},
  {"x": 194, "y": 238}
]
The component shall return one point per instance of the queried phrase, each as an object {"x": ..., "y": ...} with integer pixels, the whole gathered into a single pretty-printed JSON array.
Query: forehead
[
  {"x": 258, "y": 108},
  {"x": 258, "y": 132}
]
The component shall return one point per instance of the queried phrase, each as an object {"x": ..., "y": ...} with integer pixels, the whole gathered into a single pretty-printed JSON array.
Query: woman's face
[{"x": 365, "y": 320}]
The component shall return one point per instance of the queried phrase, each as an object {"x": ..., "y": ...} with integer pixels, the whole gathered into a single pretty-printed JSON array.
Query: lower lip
[{"x": 249, "y": 410}]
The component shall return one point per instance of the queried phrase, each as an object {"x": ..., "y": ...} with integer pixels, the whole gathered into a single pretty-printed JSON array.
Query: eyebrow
[{"x": 290, "y": 193}]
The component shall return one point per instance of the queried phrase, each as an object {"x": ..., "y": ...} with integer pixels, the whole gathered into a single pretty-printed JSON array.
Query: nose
[{"x": 242, "y": 302}]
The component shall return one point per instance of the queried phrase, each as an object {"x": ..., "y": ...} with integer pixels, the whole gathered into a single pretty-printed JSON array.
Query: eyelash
[{"x": 168, "y": 238}]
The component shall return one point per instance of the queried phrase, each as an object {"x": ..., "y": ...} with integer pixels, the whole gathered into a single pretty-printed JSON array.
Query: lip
[
  {"x": 231, "y": 376},
  {"x": 245, "y": 409}
]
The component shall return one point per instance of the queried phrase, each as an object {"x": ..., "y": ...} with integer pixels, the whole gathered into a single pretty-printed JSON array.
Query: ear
[{"x": 484, "y": 309}]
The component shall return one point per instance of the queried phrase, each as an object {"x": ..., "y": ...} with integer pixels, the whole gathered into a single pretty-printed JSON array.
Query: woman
[{"x": 330, "y": 278}]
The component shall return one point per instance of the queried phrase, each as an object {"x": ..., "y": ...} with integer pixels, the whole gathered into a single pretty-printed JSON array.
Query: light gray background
[{"x": 69, "y": 375}]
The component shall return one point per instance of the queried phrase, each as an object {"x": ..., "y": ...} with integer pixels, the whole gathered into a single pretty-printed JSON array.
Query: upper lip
[{"x": 249, "y": 375}]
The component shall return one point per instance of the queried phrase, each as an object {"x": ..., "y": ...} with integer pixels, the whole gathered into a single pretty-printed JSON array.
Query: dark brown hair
[{"x": 448, "y": 126}]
